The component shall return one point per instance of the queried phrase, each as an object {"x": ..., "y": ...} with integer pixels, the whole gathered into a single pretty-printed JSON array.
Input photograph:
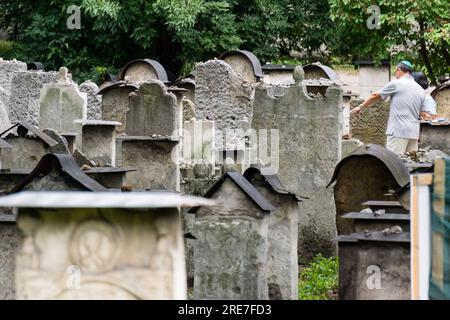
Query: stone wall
[
  {"x": 94, "y": 100},
  {"x": 370, "y": 125},
  {"x": 25, "y": 94},
  {"x": 8, "y": 69}
]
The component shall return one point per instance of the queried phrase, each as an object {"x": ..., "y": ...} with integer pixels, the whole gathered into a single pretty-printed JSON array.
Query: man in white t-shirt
[{"x": 407, "y": 99}]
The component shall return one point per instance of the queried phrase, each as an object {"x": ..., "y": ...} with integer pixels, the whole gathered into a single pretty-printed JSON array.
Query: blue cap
[{"x": 407, "y": 63}]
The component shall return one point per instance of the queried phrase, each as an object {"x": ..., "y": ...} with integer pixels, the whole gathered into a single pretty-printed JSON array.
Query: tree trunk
[
  {"x": 424, "y": 54},
  {"x": 445, "y": 54}
]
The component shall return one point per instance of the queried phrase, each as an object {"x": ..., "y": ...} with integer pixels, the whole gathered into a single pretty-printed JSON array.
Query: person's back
[{"x": 407, "y": 98}]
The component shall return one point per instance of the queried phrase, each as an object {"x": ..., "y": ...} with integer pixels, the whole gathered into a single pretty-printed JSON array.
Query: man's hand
[{"x": 356, "y": 111}]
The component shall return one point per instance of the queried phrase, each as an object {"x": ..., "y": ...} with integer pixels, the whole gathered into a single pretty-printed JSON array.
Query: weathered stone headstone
[
  {"x": 374, "y": 266},
  {"x": 28, "y": 146},
  {"x": 370, "y": 172},
  {"x": 151, "y": 143},
  {"x": 309, "y": 132},
  {"x": 7, "y": 71},
  {"x": 99, "y": 141},
  {"x": 109, "y": 245},
  {"x": 282, "y": 260},
  {"x": 155, "y": 160},
  {"x": 442, "y": 97},
  {"x": 115, "y": 103},
  {"x": 244, "y": 63},
  {"x": 26, "y": 89},
  {"x": 153, "y": 111},
  {"x": 94, "y": 100},
  {"x": 57, "y": 172},
  {"x": 231, "y": 246},
  {"x": 61, "y": 104},
  {"x": 371, "y": 77},
  {"x": 370, "y": 125},
  {"x": 223, "y": 96},
  {"x": 143, "y": 70}
]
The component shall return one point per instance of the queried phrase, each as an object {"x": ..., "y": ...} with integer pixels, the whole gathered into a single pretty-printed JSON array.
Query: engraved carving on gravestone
[
  {"x": 153, "y": 111},
  {"x": 96, "y": 245}
]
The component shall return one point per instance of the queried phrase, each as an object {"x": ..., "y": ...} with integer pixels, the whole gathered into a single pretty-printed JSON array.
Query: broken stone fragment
[
  {"x": 392, "y": 230},
  {"x": 379, "y": 212},
  {"x": 367, "y": 210}
]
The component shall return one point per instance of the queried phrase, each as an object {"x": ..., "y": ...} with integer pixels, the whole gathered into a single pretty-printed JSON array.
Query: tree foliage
[
  {"x": 178, "y": 33},
  {"x": 415, "y": 29}
]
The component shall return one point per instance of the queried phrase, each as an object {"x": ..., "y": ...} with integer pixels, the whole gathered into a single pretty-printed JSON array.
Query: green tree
[
  {"x": 178, "y": 33},
  {"x": 414, "y": 29}
]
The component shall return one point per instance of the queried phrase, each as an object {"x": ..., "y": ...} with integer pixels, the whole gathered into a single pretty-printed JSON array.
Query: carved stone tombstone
[
  {"x": 115, "y": 103},
  {"x": 153, "y": 110},
  {"x": 282, "y": 261},
  {"x": 231, "y": 246},
  {"x": 221, "y": 95},
  {"x": 151, "y": 143},
  {"x": 9, "y": 242},
  {"x": 244, "y": 63},
  {"x": 142, "y": 70},
  {"x": 111, "y": 245},
  {"x": 374, "y": 266},
  {"x": 442, "y": 97},
  {"x": 99, "y": 141},
  {"x": 61, "y": 104},
  {"x": 370, "y": 172},
  {"x": 27, "y": 147},
  {"x": 309, "y": 135}
]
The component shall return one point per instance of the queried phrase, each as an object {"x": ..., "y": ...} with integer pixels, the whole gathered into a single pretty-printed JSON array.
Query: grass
[{"x": 319, "y": 279}]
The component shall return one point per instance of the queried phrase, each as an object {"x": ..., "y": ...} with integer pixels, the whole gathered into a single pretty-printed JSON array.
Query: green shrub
[
  {"x": 319, "y": 280},
  {"x": 6, "y": 49}
]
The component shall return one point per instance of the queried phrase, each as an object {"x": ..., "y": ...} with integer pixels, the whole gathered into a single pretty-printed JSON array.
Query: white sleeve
[
  {"x": 429, "y": 105},
  {"x": 389, "y": 89}
]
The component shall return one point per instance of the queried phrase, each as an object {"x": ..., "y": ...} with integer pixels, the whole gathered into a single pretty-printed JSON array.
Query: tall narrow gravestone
[
  {"x": 223, "y": 96},
  {"x": 115, "y": 103},
  {"x": 151, "y": 141},
  {"x": 61, "y": 104},
  {"x": 309, "y": 132},
  {"x": 231, "y": 246},
  {"x": 110, "y": 245}
]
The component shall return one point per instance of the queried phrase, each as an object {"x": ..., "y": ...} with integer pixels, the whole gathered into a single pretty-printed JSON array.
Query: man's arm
[{"x": 370, "y": 101}]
